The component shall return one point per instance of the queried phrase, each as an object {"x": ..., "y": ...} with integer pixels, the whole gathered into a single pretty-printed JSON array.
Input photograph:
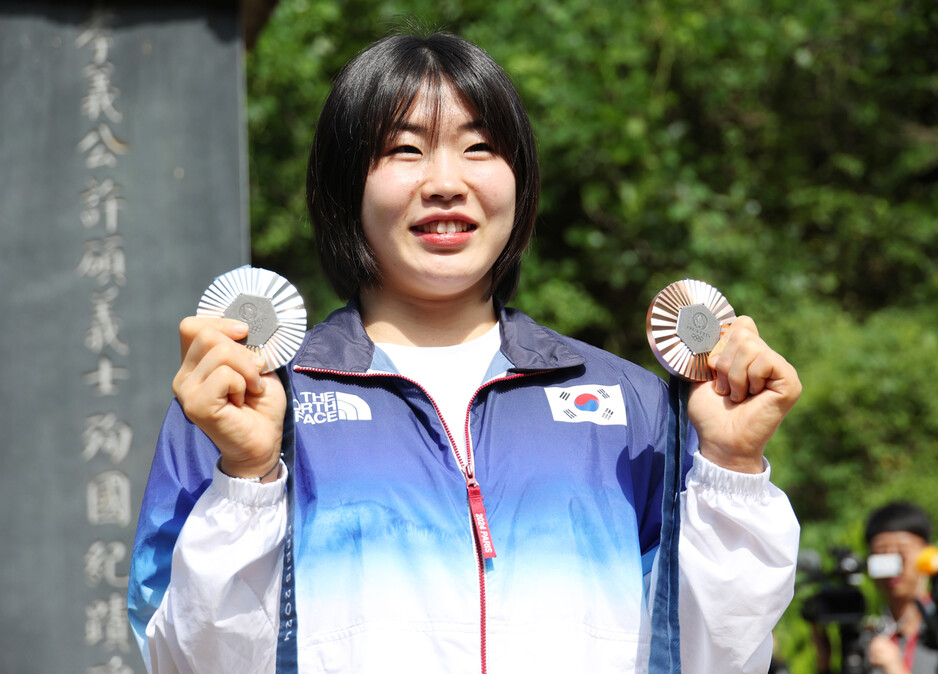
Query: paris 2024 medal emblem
[
  {"x": 268, "y": 303},
  {"x": 684, "y": 323}
]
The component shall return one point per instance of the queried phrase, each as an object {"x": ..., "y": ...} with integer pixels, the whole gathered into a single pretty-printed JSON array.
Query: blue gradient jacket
[{"x": 382, "y": 561}]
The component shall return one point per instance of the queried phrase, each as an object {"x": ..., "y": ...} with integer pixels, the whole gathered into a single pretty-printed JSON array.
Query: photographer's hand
[
  {"x": 822, "y": 647},
  {"x": 886, "y": 654}
]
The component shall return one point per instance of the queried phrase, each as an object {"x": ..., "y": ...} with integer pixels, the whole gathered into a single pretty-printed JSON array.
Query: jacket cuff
[
  {"x": 711, "y": 476},
  {"x": 247, "y": 492}
]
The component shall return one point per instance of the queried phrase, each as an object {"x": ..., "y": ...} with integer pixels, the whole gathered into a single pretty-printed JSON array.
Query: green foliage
[
  {"x": 867, "y": 414},
  {"x": 786, "y": 152}
]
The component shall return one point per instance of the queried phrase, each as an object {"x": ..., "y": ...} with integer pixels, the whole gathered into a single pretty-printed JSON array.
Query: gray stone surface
[{"x": 123, "y": 197}]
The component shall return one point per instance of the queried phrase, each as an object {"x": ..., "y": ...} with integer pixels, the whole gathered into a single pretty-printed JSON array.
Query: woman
[{"x": 346, "y": 531}]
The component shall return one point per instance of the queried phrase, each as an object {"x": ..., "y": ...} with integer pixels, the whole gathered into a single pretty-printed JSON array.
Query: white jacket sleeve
[
  {"x": 220, "y": 611},
  {"x": 738, "y": 551}
]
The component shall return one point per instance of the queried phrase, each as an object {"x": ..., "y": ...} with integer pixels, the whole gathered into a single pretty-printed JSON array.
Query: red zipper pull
[{"x": 479, "y": 521}]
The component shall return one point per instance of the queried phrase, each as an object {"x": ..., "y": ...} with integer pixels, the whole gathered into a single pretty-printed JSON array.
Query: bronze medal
[{"x": 684, "y": 323}]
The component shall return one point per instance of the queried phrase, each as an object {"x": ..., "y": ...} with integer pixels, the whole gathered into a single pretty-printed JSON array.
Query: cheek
[
  {"x": 499, "y": 191},
  {"x": 384, "y": 200},
  {"x": 909, "y": 568}
]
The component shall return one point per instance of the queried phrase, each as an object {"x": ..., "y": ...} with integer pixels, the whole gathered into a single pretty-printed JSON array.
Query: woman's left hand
[{"x": 736, "y": 413}]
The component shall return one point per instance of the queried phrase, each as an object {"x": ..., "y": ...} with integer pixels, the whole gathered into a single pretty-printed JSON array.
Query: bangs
[
  {"x": 428, "y": 73},
  {"x": 398, "y": 106}
]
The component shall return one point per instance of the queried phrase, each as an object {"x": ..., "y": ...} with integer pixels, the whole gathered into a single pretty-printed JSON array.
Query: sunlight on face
[{"x": 438, "y": 208}]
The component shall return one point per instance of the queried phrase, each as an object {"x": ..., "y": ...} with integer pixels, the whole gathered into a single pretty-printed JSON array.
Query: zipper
[
  {"x": 477, "y": 511},
  {"x": 482, "y": 544}
]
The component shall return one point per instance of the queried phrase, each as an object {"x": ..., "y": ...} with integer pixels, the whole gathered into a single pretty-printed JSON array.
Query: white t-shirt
[{"x": 449, "y": 374}]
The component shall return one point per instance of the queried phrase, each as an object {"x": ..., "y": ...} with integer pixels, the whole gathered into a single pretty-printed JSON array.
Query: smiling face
[{"x": 438, "y": 205}]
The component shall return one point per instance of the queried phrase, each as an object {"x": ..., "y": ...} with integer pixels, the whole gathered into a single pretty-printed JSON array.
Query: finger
[
  {"x": 210, "y": 351},
  {"x": 738, "y": 374},
  {"x": 203, "y": 401},
  {"x": 239, "y": 358},
  {"x": 770, "y": 370},
  {"x": 226, "y": 384},
  {"x": 731, "y": 358},
  {"x": 761, "y": 370},
  {"x": 720, "y": 384},
  {"x": 766, "y": 370},
  {"x": 718, "y": 349},
  {"x": 783, "y": 379},
  {"x": 198, "y": 335},
  {"x": 719, "y": 360},
  {"x": 191, "y": 326},
  {"x": 730, "y": 364},
  {"x": 744, "y": 324}
]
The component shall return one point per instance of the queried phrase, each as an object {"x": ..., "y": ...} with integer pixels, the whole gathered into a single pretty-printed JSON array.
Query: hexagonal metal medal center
[
  {"x": 698, "y": 328},
  {"x": 259, "y": 313}
]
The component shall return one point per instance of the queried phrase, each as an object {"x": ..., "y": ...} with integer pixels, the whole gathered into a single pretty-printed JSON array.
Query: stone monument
[{"x": 124, "y": 193}]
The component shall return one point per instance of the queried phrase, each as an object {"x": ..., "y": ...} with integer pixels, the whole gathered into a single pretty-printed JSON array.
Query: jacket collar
[{"x": 340, "y": 344}]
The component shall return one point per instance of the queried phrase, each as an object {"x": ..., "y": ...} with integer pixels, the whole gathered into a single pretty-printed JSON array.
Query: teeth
[{"x": 446, "y": 227}]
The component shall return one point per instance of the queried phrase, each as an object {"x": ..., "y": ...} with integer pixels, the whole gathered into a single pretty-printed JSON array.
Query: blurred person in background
[{"x": 896, "y": 536}]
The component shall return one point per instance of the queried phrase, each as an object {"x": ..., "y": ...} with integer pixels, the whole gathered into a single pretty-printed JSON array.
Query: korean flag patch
[{"x": 594, "y": 403}]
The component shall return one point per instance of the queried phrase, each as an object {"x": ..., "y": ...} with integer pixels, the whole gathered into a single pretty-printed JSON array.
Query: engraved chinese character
[
  {"x": 104, "y": 260},
  {"x": 104, "y": 324},
  {"x": 113, "y": 666},
  {"x": 105, "y": 433},
  {"x": 101, "y": 196},
  {"x": 101, "y": 562},
  {"x": 108, "y": 498},
  {"x": 101, "y": 145},
  {"x": 104, "y": 377},
  {"x": 96, "y": 36},
  {"x": 95, "y": 615},
  {"x": 107, "y": 621},
  {"x": 101, "y": 94}
]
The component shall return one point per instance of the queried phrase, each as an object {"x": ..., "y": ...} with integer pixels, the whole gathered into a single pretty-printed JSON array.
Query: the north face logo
[{"x": 323, "y": 408}]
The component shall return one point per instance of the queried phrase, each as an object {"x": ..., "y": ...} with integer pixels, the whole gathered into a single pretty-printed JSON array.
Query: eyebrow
[{"x": 471, "y": 125}]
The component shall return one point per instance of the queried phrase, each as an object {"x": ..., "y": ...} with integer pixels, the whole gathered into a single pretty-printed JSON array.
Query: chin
[{"x": 442, "y": 288}]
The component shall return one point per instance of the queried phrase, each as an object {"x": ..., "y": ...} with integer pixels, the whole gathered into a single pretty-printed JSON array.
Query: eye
[
  {"x": 403, "y": 149},
  {"x": 481, "y": 147}
]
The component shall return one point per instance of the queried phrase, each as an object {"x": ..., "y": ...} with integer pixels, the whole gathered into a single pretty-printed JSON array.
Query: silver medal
[
  {"x": 268, "y": 303},
  {"x": 684, "y": 323}
]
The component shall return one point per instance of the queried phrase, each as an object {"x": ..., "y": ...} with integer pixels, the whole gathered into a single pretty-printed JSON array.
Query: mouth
[{"x": 444, "y": 227}]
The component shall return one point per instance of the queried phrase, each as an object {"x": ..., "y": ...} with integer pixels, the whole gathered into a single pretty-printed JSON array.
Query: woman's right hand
[{"x": 221, "y": 391}]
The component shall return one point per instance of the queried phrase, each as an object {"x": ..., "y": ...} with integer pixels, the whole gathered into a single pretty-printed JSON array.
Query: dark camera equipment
[{"x": 838, "y": 601}]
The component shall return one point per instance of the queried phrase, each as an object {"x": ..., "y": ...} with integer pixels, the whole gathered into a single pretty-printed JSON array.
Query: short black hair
[
  {"x": 899, "y": 516},
  {"x": 371, "y": 96}
]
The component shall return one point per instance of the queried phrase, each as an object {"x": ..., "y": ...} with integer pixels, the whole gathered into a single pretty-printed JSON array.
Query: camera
[{"x": 838, "y": 601}]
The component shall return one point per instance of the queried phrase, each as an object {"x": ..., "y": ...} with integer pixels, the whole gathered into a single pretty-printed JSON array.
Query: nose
[{"x": 444, "y": 179}]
